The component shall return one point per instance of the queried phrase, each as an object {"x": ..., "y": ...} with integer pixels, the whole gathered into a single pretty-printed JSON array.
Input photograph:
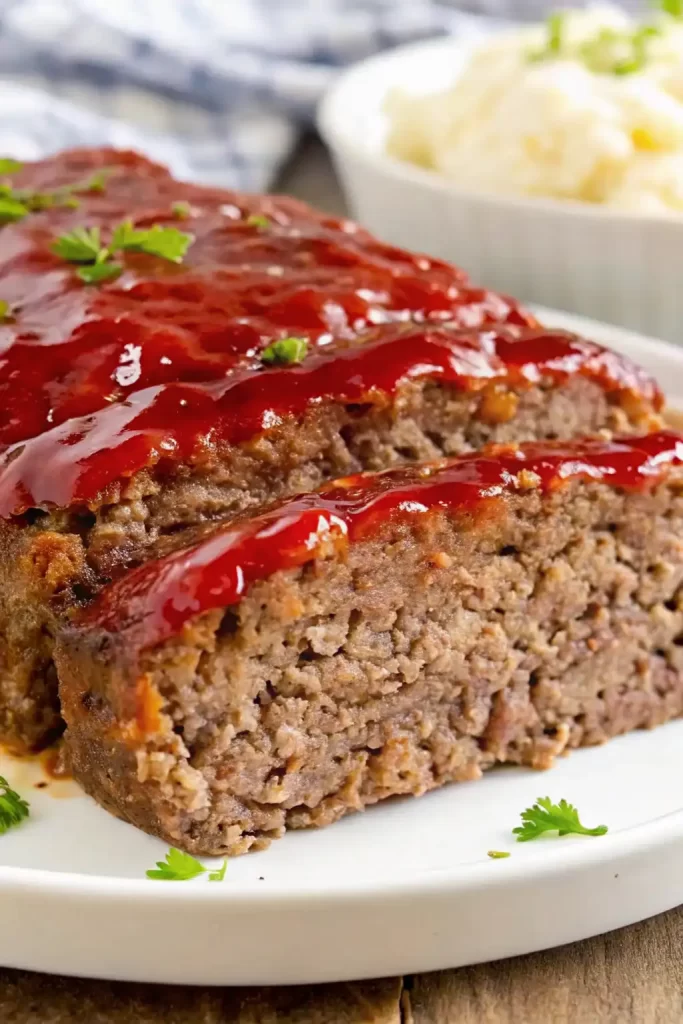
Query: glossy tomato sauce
[
  {"x": 154, "y": 601},
  {"x": 163, "y": 363}
]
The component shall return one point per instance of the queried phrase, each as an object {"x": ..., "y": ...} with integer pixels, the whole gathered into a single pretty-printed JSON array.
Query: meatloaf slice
[
  {"x": 383, "y": 636},
  {"x": 139, "y": 403},
  {"x": 196, "y": 452},
  {"x": 148, "y": 401}
]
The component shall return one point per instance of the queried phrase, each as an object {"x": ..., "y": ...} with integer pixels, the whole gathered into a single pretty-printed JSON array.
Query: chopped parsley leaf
[
  {"x": 181, "y": 209},
  {"x": 168, "y": 243},
  {"x": 181, "y": 867},
  {"x": 96, "y": 183},
  {"x": 13, "y": 808},
  {"x": 555, "y": 28},
  {"x": 546, "y": 816},
  {"x": 17, "y": 203},
  {"x": 84, "y": 245},
  {"x": 218, "y": 876},
  {"x": 258, "y": 220},
  {"x": 93, "y": 273},
  {"x": 610, "y": 51},
  {"x": 671, "y": 7},
  {"x": 285, "y": 352},
  {"x": 11, "y": 209},
  {"x": 9, "y": 166}
]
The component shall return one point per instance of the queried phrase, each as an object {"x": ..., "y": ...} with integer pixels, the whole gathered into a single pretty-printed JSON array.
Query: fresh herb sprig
[
  {"x": 674, "y": 8},
  {"x": 546, "y": 816},
  {"x": 553, "y": 44},
  {"x": 84, "y": 245},
  {"x": 181, "y": 867},
  {"x": 610, "y": 51},
  {"x": 17, "y": 203},
  {"x": 9, "y": 166},
  {"x": 618, "y": 53},
  {"x": 13, "y": 808},
  {"x": 181, "y": 209},
  {"x": 285, "y": 352},
  {"x": 167, "y": 243},
  {"x": 258, "y": 220}
]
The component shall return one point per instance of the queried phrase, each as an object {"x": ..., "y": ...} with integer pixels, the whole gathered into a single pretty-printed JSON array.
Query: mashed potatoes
[{"x": 587, "y": 107}]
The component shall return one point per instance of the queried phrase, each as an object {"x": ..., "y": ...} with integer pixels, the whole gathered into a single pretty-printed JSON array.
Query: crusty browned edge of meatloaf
[
  {"x": 49, "y": 561},
  {"x": 425, "y": 656}
]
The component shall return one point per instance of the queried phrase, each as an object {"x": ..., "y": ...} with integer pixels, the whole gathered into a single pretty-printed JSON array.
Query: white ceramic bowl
[{"x": 618, "y": 267}]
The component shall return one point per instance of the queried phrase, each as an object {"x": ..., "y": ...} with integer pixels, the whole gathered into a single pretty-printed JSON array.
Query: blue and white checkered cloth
[{"x": 217, "y": 89}]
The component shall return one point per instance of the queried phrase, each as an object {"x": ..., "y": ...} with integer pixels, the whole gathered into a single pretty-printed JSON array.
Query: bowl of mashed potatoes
[{"x": 547, "y": 160}]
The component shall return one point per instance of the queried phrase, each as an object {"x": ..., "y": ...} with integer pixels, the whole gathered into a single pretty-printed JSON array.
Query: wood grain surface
[
  {"x": 633, "y": 976},
  {"x": 37, "y": 999}
]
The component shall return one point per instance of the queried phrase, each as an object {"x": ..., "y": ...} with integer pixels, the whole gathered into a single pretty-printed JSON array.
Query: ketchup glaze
[
  {"x": 163, "y": 364},
  {"x": 187, "y": 421},
  {"x": 153, "y": 602}
]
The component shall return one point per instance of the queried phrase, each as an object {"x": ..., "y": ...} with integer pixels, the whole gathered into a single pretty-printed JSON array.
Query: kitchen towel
[{"x": 216, "y": 89}]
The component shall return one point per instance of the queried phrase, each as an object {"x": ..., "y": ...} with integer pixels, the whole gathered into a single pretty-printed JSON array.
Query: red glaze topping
[
  {"x": 154, "y": 601},
  {"x": 98, "y": 382},
  {"x": 185, "y": 421}
]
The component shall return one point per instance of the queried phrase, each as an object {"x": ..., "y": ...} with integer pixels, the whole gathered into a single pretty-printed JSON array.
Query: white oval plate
[{"x": 405, "y": 887}]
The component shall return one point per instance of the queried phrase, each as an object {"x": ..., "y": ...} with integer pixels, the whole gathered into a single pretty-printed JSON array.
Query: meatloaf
[
  {"x": 383, "y": 636},
  {"x": 143, "y": 402}
]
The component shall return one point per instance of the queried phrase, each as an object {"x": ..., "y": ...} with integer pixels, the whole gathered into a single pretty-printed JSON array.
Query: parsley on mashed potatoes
[{"x": 588, "y": 106}]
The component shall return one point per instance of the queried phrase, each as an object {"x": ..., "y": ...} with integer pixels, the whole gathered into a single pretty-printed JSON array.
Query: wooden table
[{"x": 633, "y": 976}]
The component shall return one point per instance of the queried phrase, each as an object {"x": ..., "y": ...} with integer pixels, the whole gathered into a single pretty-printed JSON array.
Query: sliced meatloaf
[
  {"x": 139, "y": 404},
  {"x": 385, "y": 635}
]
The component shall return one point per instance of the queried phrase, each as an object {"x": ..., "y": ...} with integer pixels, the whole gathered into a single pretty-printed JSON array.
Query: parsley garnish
[
  {"x": 96, "y": 272},
  {"x": 672, "y": 7},
  {"x": 498, "y": 854},
  {"x": 181, "y": 867},
  {"x": 96, "y": 183},
  {"x": 13, "y": 809},
  {"x": 16, "y": 203},
  {"x": 554, "y": 29},
  {"x": 181, "y": 209},
  {"x": 285, "y": 351},
  {"x": 258, "y": 220},
  {"x": 9, "y": 166},
  {"x": 168, "y": 243},
  {"x": 218, "y": 876},
  {"x": 11, "y": 209},
  {"x": 546, "y": 816},
  {"x": 84, "y": 245},
  {"x": 609, "y": 51},
  {"x": 618, "y": 53}
]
